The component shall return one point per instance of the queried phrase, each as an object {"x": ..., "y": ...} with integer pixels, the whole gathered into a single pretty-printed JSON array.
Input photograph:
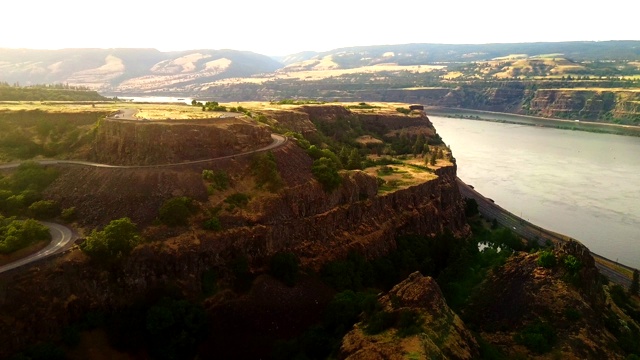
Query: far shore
[{"x": 510, "y": 118}]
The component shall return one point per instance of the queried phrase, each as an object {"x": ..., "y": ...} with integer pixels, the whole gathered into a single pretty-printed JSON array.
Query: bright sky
[{"x": 283, "y": 27}]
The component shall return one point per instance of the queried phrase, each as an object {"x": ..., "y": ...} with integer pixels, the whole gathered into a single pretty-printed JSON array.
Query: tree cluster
[
  {"x": 113, "y": 242},
  {"x": 18, "y": 234}
]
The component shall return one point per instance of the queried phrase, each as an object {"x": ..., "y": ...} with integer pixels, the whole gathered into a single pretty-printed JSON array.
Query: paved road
[
  {"x": 62, "y": 235},
  {"x": 531, "y": 232},
  {"x": 61, "y": 239},
  {"x": 278, "y": 140},
  {"x": 129, "y": 114},
  {"x": 125, "y": 114}
]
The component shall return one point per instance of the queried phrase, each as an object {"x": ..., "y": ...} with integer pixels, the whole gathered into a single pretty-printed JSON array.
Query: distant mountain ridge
[
  {"x": 135, "y": 70},
  {"x": 415, "y": 54},
  {"x": 149, "y": 71}
]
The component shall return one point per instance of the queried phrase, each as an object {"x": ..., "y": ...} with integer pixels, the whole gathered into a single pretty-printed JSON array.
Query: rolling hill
[{"x": 238, "y": 75}]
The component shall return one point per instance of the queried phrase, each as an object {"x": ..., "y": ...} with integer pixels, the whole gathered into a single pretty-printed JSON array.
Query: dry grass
[
  {"x": 324, "y": 69},
  {"x": 159, "y": 111},
  {"x": 404, "y": 175},
  {"x": 174, "y": 111}
]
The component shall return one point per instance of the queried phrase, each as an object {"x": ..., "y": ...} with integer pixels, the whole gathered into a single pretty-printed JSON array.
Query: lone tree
[
  {"x": 113, "y": 242},
  {"x": 635, "y": 283}
]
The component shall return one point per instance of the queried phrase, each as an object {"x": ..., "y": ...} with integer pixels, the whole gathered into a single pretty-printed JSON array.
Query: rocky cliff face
[
  {"x": 521, "y": 294},
  {"x": 594, "y": 105},
  {"x": 318, "y": 227},
  {"x": 302, "y": 218},
  {"x": 442, "y": 334},
  {"x": 295, "y": 120},
  {"x": 121, "y": 142},
  {"x": 586, "y": 104}
]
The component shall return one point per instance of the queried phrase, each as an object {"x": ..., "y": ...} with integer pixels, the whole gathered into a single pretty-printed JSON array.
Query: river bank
[{"x": 577, "y": 183}]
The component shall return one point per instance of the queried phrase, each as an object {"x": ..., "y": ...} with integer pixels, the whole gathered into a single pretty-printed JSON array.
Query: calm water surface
[{"x": 584, "y": 185}]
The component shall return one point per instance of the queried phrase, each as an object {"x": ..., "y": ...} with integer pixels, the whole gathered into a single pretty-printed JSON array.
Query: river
[{"x": 581, "y": 184}]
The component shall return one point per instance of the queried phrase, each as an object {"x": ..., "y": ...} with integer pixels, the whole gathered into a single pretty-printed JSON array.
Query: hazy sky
[{"x": 281, "y": 27}]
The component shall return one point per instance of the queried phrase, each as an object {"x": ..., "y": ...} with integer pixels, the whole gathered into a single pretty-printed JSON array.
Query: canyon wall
[
  {"x": 122, "y": 142},
  {"x": 617, "y": 105},
  {"x": 40, "y": 300}
]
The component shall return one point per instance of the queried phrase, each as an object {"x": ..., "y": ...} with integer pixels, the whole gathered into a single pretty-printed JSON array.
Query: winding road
[
  {"x": 61, "y": 239},
  {"x": 532, "y": 232},
  {"x": 62, "y": 236}
]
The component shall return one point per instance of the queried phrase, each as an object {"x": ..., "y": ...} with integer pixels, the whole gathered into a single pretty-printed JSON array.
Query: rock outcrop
[
  {"x": 521, "y": 294},
  {"x": 128, "y": 142},
  {"x": 442, "y": 334},
  {"x": 592, "y": 105}
]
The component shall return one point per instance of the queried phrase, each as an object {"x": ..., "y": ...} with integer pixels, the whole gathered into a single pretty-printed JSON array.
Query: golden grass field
[{"x": 173, "y": 111}]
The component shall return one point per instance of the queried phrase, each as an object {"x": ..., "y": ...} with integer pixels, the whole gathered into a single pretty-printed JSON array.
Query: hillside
[
  {"x": 348, "y": 240},
  {"x": 217, "y": 72},
  {"x": 129, "y": 70}
]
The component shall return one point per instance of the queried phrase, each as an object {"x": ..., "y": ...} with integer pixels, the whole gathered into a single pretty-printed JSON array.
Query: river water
[{"x": 581, "y": 184}]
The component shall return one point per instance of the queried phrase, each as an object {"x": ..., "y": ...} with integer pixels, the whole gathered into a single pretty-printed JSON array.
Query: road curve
[
  {"x": 278, "y": 140},
  {"x": 532, "y": 232},
  {"x": 61, "y": 239},
  {"x": 62, "y": 236}
]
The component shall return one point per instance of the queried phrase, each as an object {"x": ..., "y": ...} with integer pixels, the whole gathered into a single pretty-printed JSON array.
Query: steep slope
[
  {"x": 439, "y": 332},
  {"x": 559, "y": 310}
]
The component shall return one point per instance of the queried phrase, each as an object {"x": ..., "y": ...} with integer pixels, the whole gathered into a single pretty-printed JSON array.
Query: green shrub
[
  {"x": 212, "y": 224},
  {"x": 385, "y": 170},
  {"x": 176, "y": 211},
  {"x": 284, "y": 267},
  {"x": 409, "y": 323},
  {"x": 326, "y": 172},
  {"x": 538, "y": 337},
  {"x": 44, "y": 209},
  {"x": 68, "y": 214},
  {"x": 265, "y": 170},
  {"x": 218, "y": 178},
  {"x": 547, "y": 259},
  {"x": 572, "y": 264},
  {"x": 403, "y": 110},
  {"x": 115, "y": 241},
  {"x": 238, "y": 199},
  {"x": 379, "y": 322}
]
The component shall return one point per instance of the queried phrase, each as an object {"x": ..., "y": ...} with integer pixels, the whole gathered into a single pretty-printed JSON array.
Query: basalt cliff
[{"x": 318, "y": 226}]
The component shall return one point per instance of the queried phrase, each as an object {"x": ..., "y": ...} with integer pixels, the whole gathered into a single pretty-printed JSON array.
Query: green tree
[
  {"x": 432, "y": 159},
  {"x": 418, "y": 146},
  {"x": 355, "y": 160},
  {"x": 326, "y": 172},
  {"x": 265, "y": 170},
  {"x": 17, "y": 234},
  {"x": 218, "y": 178},
  {"x": 176, "y": 211},
  {"x": 115, "y": 241}
]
